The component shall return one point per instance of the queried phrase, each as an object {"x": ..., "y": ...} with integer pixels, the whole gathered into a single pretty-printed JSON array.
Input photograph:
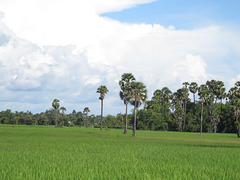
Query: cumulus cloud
[{"x": 66, "y": 49}]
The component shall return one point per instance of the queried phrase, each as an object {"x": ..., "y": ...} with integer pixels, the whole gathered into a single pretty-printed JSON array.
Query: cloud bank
[{"x": 66, "y": 50}]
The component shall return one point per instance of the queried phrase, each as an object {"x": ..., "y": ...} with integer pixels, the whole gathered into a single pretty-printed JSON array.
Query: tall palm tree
[
  {"x": 166, "y": 96},
  {"x": 217, "y": 90},
  {"x": 157, "y": 96},
  {"x": 86, "y": 111},
  {"x": 63, "y": 109},
  {"x": 102, "y": 90},
  {"x": 193, "y": 87},
  {"x": 56, "y": 105},
  {"x": 177, "y": 108},
  {"x": 234, "y": 100},
  {"x": 179, "y": 105},
  {"x": 126, "y": 93},
  {"x": 186, "y": 94},
  {"x": 203, "y": 94},
  {"x": 140, "y": 97}
]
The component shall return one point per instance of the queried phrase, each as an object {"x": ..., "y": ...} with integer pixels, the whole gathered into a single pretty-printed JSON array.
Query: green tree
[
  {"x": 185, "y": 97},
  {"x": 102, "y": 90},
  {"x": 86, "y": 111},
  {"x": 63, "y": 109},
  {"x": 203, "y": 93},
  {"x": 140, "y": 97},
  {"x": 234, "y": 100},
  {"x": 162, "y": 97},
  {"x": 126, "y": 93},
  {"x": 217, "y": 91},
  {"x": 193, "y": 87},
  {"x": 56, "y": 105},
  {"x": 166, "y": 96},
  {"x": 177, "y": 108}
]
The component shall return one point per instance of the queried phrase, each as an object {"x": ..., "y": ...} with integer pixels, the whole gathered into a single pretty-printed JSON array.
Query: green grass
[{"x": 46, "y": 152}]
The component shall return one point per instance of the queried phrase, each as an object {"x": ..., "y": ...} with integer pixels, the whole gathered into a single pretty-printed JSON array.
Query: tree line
[{"x": 212, "y": 109}]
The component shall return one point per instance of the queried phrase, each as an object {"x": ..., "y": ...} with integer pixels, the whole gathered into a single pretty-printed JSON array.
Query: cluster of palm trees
[
  {"x": 132, "y": 92},
  {"x": 210, "y": 94},
  {"x": 135, "y": 93},
  {"x": 57, "y": 108}
]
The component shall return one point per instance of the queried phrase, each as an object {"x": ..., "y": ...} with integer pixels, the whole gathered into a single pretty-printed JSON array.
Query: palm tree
[
  {"x": 193, "y": 87},
  {"x": 56, "y": 105},
  {"x": 178, "y": 104},
  {"x": 177, "y": 108},
  {"x": 203, "y": 94},
  {"x": 86, "y": 111},
  {"x": 217, "y": 90},
  {"x": 63, "y": 109},
  {"x": 126, "y": 93},
  {"x": 140, "y": 97},
  {"x": 166, "y": 96},
  {"x": 102, "y": 90},
  {"x": 162, "y": 96},
  {"x": 157, "y": 96},
  {"x": 186, "y": 94},
  {"x": 234, "y": 100}
]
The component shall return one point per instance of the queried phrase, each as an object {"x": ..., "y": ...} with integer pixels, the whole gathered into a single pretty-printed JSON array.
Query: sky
[{"x": 66, "y": 49}]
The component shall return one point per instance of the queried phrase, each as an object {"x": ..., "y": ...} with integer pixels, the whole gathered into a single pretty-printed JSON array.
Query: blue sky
[
  {"x": 47, "y": 54},
  {"x": 182, "y": 14}
]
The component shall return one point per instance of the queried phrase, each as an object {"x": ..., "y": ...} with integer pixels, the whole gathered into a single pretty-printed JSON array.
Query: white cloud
[
  {"x": 92, "y": 80},
  {"x": 105, "y": 6},
  {"x": 65, "y": 49},
  {"x": 193, "y": 68}
]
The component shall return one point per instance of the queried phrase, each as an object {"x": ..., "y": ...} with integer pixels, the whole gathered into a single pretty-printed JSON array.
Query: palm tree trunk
[
  {"x": 135, "y": 114},
  {"x": 126, "y": 123},
  {"x": 163, "y": 112},
  {"x": 101, "y": 112},
  {"x": 87, "y": 119},
  {"x": 194, "y": 97},
  {"x": 56, "y": 124},
  {"x": 221, "y": 111},
  {"x": 184, "y": 118},
  {"x": 201, "y": 120},
  {"x": 214, "y": 120},
  {"x": 215, "y": 127}
]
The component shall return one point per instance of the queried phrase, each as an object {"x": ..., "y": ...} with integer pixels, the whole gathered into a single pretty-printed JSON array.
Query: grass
[{"x": 46, "y": 152}]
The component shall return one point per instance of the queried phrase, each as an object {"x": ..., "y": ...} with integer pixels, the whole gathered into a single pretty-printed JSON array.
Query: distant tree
[
  {"x": 63, "y": 109},
  {"x": 166, "y": 96},
  {"x": 102, "y": 90},
  {"x": 110, "y": 121},
  {"x": 86, "y": 111},
  {"x": 140, "y": 97},
  {"x": 157, "y": 96},
  {"x": 177, "y": 108},
  {"x": 43, "y": 120},
  {"x": 162, "y": 97},
  {"x": 185, "y": 97},
  {"x": 217, "y": 90},
  {"x": 56, "y": 105},
  {"x": 193, "y": 87},
  {"x": 234, "y": 100},
  {"x": 203, "y": 94},
  {"x": 126, "y": 93}
]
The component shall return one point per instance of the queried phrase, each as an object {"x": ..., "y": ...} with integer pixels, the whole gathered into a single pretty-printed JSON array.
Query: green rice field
[{"x": 46, "y": 152}]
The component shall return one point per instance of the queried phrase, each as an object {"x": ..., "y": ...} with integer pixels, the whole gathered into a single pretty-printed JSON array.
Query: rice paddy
[{"x": 46, "y": 152}]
